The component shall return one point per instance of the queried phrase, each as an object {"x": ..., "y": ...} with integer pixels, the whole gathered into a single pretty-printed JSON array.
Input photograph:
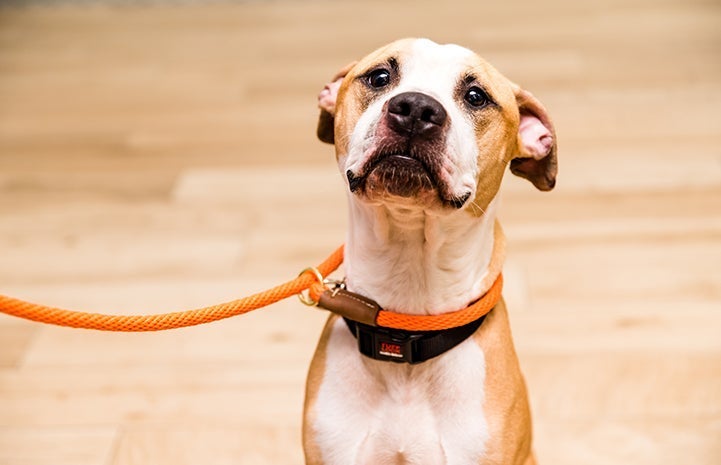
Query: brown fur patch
[
  {"x": 506, "y": 402},
  {"x": 315, "y": 378}
]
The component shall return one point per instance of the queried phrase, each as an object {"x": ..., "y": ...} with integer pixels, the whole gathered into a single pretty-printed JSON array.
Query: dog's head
[{"x": 434, "y": 126}]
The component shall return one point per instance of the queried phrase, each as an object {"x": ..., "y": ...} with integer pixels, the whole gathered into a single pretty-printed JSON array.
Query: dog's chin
[{"x": 400, "y": 178}]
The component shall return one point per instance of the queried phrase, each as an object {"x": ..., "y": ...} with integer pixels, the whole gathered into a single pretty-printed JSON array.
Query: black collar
[{"x": 412, "y": 347}]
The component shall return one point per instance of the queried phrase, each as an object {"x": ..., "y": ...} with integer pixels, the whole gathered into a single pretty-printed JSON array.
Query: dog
[{"x": 423, "y": 134}]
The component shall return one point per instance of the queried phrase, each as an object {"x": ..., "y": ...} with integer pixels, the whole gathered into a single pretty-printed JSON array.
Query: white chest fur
[{"x": 376, "y": 413}]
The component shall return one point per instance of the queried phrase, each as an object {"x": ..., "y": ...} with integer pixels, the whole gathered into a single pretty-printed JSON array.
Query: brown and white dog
[{"x": 423, "y": 134}]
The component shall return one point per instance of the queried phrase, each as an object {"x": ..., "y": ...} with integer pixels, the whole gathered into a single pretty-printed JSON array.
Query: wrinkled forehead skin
[{"x": 428, "y": 67}]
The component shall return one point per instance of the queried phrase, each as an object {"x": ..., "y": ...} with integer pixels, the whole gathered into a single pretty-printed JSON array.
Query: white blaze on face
[{"x": 435, "y": 70}]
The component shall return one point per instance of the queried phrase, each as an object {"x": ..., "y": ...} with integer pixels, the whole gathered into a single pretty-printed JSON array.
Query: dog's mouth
[
  {"x": 402, "y": 174},
  {"x": 397, "y": 174}
]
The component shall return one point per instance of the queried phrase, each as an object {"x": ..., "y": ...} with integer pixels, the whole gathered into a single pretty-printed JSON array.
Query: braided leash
[{"x": 307, "y": 280}]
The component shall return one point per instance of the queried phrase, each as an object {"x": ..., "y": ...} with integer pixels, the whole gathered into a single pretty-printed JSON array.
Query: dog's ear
[
  {"x": 326, "y": 103},
  {"x": 536, "y": 158}
]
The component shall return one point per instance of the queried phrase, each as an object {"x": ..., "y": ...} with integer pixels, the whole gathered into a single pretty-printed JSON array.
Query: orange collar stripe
[{"x": 449, "y": 320}]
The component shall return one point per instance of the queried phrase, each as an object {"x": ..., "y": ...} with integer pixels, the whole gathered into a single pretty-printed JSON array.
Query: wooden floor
[{"x": 159, "y": 158}]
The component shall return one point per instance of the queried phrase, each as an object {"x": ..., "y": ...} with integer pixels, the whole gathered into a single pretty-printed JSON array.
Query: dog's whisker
[{"x": 477, "y": 208}]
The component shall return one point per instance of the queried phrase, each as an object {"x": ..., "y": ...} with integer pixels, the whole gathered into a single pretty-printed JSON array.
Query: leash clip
[{"x": 334, "y": 285}]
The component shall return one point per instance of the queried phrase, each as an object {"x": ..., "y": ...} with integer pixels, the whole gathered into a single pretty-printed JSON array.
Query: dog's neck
[{"x": 413, "y": 262}]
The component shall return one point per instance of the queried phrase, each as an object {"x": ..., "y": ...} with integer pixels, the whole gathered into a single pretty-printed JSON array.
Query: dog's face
[{"x": 417, "y": 123}]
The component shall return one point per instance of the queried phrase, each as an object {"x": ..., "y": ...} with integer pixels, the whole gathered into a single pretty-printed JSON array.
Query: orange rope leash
[{"x": 137, "y": 323}]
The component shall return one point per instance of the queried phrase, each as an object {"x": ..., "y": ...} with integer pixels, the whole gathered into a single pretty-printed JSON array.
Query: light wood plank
[{"x": 62, "y": 445}]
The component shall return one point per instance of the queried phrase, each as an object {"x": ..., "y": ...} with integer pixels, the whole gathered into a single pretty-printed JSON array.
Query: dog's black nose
[{"x": 416, "y": 114}]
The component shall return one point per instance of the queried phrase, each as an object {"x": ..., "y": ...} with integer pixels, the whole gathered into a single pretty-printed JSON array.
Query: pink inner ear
[
  {"x": 537, "y": 140},
  {"x": 328, "y": 96}
]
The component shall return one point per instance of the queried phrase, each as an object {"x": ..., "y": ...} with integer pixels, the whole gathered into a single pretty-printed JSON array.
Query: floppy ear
[
  {"x": 536, "y": 160},
  {"x": 326, "y": 103}
]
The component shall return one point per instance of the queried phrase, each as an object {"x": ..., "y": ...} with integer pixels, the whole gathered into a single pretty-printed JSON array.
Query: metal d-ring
[{"x": 306, "y": 298}]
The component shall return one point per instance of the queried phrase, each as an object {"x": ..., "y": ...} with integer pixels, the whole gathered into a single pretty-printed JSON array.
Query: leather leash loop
[{"x": 350, "y": 305}]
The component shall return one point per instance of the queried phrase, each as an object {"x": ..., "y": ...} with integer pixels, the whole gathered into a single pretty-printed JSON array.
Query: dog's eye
[
  {"x": 477, "y": 97},
  {"x": 379, "y": 78}
]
